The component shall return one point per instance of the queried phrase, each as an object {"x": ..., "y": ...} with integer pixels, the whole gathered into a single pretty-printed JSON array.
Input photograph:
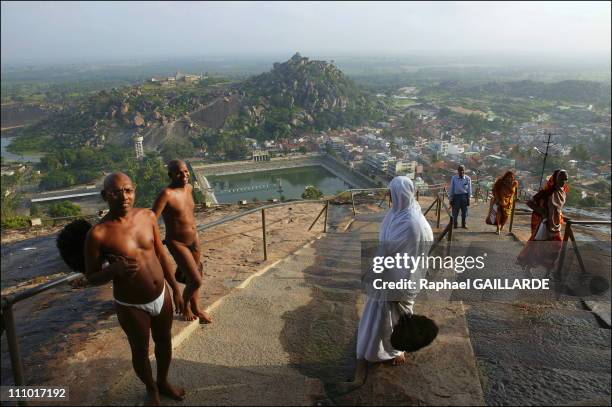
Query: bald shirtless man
[
  {"x": 175, "y": 204},
  {"x": 128, "y": 239}
]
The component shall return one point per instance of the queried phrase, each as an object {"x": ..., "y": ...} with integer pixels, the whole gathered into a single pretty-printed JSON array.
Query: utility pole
[{"x": 545, "y": 155}]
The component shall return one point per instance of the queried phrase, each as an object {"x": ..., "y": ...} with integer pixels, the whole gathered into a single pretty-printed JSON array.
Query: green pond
[{"x": 264, "y": 185}]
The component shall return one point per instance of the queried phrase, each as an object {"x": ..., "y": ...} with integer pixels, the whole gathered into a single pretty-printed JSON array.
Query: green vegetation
[
  {"x": 10, "y": 202},
  {"x": 176, "y": 150},
  {"x": 574, "y": 198},
  {"x": 198, "y": 197},
  {"x": 474, "y": 125},
  {"x": 150, "y": 176},
  {"x": 571, "y": 91},
  {"x": 15, "y": 222},
  {"x": 67, "y": 167},
  {"x": 311, "y": 192},
  {"x": 580, "y": 152},
  {"x": 36, "y": 211},
  {"x": 64, "y": 209}
]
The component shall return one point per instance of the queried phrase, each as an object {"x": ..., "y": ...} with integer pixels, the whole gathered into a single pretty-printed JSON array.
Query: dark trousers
[{"x": 460, "y": 201}]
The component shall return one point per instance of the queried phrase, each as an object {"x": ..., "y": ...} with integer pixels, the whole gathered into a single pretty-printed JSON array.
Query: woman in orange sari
[
  {"x": 546, "y": 221},
  {"x": 503, "y": 195}
]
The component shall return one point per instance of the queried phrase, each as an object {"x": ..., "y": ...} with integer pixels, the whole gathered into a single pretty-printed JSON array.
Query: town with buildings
[{"x": 431, "y": 150}]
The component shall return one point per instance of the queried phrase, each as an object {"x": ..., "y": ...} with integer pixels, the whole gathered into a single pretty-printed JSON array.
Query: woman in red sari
[
  {"x": 546, "y": 221},
  {"x": 503, "y": 195}
]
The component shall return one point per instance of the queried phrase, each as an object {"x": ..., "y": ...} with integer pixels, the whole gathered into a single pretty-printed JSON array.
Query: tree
[
  {"x": 57, "y": 179},
  {"x": 580, "y": 152},
  {"x": 64, "y": 209},
  {"x": 36, "y": 211},
  {"x": 444, "y": 112},
  {"x": 574, "y": 197},
  {"x": 172, "y": 151},
  {"x": 310, "y": 192},
  {"x": 409, "y": 121},
  {"x": 150, "y": 176},
  {"x": 198, "y": 197},
  {"x": 10, "y": 202}
]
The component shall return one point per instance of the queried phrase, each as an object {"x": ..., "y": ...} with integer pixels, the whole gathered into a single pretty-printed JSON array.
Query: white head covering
[
  {"x": 404, "y": 222},
  {"x": 404, "y": 230}
]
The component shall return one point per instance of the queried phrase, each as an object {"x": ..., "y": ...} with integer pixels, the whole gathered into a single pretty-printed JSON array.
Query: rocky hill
[
  {"x": 115, "y": 116},
  {"x": 296, "y": 95},
  {"x": 301, "y": 93}
]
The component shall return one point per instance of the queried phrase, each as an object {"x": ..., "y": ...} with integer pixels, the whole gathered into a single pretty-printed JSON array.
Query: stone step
[{"x": 541, "y": 346}]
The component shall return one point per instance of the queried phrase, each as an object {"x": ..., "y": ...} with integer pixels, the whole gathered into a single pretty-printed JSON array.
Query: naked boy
[
  {"x": 175, "y": 204},
  {"x": 128, "y": 238}
]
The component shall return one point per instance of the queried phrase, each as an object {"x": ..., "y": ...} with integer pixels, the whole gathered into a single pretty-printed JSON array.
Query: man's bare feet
[
  {"x": 168, "y": 390},
  {"x": 188, "y": 315},
  {"x": 399, "y": 359},
  {"x": 152, "y": 397},
  {"x": 202, "y": 315}
]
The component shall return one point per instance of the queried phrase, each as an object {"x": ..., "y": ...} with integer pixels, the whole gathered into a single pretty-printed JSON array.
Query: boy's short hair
[{"x": 71, "y": 244}]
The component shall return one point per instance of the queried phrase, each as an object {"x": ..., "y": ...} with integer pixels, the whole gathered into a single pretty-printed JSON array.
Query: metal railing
[
  {"x": 568, "y": 235},
  {"x": 440, "y": 203}
]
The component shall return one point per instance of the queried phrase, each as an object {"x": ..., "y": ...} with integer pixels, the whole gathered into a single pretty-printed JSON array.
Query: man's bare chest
[
  {"x": 129, "y": 240},
  {"x": 180, "y": 204}
]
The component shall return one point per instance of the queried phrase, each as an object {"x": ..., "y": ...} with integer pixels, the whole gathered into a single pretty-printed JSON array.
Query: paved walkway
[{"x": 289, "y": 338}]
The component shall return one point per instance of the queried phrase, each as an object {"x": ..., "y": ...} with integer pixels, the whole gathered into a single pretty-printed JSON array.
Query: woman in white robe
[{"x": 403, "y": 230}]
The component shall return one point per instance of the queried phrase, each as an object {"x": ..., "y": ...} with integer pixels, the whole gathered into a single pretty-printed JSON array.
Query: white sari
[{"x": 404, "y": 230}]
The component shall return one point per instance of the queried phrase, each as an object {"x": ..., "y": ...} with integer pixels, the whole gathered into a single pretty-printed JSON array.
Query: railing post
[
  {"x": 13, "y": 345},
  {"x": 578, "y": 255},
  {"x": 325, "y": 224},
  {"x": 317, "y": 218},
  {"x": 438, "y": 210},
  {"x": 417, "y": 195},
  {"x": 563, "y": 253},
  {"x": 263, "y": 228},
  {"x": 353, "y": 202},
  {"x": 450, "y": 229},
  {"x": 513, "y": 207}
]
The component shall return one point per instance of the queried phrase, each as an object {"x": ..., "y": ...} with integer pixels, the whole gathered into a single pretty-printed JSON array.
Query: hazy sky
[{"x": 73, "y": 31}]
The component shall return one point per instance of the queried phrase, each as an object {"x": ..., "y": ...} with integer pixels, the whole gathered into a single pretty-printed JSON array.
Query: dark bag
[{"x": 413, "y": 332}]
